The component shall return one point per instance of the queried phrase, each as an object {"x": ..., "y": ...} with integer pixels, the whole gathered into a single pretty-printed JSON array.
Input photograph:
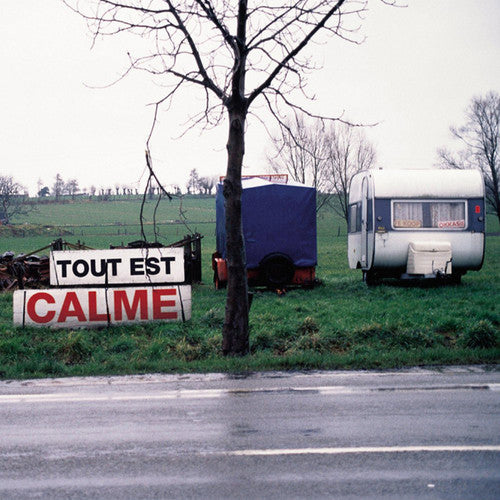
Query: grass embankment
[{"x": 340, "y": 324}]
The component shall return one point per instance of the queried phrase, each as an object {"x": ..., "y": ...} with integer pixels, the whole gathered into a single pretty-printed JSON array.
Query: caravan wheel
[
  {"x": 455, "y": 278},
  {"x": 371, "y": 278}
]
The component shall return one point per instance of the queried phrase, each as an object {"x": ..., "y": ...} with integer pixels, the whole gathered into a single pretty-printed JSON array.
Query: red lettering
[
  {"x": 93, "y": 314},
  {"x": 71, "y": 300},
  {"x": 121, "y": 299},
  {"x": 451, "y": 223},
  {"x": 159, "y": 303},
  {"x": 31, "y": 307}
]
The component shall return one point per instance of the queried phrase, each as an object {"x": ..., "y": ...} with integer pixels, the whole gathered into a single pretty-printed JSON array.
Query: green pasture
[{"x": 339, "y": 324}]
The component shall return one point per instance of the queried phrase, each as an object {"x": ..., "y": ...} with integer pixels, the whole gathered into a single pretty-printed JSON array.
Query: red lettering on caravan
[
  {"x": 31, "y": 307},
  {"x": 159, "y": 303},
  {"x": 121, "y": 299},
  {"x": 71, "y": 300},
  {"x": 93, "y": 314}
]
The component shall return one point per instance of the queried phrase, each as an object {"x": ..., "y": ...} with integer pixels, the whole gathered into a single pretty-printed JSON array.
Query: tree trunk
[
  {"x": 235, "y": 333},
  {"x": 495, "y": 189}
]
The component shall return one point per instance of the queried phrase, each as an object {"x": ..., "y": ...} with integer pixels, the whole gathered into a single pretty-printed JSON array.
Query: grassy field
[{"x": 340, "y": 324}]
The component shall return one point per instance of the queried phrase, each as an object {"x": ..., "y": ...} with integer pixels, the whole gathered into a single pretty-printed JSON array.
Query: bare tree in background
[
  {"x": 348, "y": 151},
  {"x": 193, "y": 182},
  {"x": 300, "y": 151},
  {"x": 13, "y": 201},
  {"x": 206, "y": 184},
  {"x": 58, "y": 187},
  {"x": 324, "y": 156},
  {"x": 71, "y": 187},
  {"x": 480, "y": 136},
  {"x": 240, "y": 56}
]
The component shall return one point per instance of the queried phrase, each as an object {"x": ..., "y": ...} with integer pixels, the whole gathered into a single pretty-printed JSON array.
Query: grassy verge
[{"x": 341, "y": 324}]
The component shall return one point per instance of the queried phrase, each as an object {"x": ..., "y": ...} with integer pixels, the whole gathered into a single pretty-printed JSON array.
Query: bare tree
[
  {"x": 300, "y": 150},
  {"x": 13, "y": 202},
  {"x": 176, "y": 189},
  {"x": 58, "y": 187},
  {"x": 348, "y": 151},
  {"x": 206, "y": 184},
  {"x": 480, "y": 136},
  {"x": 193, "y": 182},
  {"x": 237, "y": 55},
  {"x": 71, "y": 188},
  {"x": 323, "y": 156}
]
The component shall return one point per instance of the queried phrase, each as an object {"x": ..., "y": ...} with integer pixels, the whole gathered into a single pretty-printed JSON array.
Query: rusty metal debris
[{"x": 30, "y": 270}]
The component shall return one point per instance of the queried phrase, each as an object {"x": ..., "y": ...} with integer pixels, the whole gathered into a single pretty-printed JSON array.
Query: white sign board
[
  {"x": 89, "y": 307},
  {"x": 130, "y": 266}
]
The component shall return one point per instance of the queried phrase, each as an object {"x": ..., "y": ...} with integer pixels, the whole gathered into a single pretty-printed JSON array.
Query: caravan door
[{"x": 364, "y": 223}]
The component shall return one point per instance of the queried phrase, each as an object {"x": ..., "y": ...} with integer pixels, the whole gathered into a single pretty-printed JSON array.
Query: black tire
[
  {"x": 371, "y": 278},
  {"x": 277, "y": 270}
]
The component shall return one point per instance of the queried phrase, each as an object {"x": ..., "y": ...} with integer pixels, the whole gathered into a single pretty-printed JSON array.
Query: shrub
[
  {"x": 122, "y": 344},
  {"x": 213, "y": 318},
  {"x": 186, "y": 351},
  {"x": 481, "y": 336},
  {"x": 308, "y": 326},
  {"x": 74, "y": 349}
]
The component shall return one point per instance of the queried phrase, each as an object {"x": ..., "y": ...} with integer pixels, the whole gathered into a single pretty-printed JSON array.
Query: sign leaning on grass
[
  {"x": 92, "y": 307},
  {"x": 109, "y": 300}
]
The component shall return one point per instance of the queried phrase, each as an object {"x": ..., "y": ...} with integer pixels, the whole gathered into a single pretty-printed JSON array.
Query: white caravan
[{"x": 416, "y": 223}]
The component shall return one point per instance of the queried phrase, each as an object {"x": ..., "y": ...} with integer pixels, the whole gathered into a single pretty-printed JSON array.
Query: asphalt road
[{"x": 410, "y": 434}]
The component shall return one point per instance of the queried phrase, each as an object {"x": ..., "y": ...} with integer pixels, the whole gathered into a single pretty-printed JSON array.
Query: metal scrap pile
[
  {"x": 192, "y": 253},
  {"x": 23, "y": 271},
  {"x": 30, "y": 270}
]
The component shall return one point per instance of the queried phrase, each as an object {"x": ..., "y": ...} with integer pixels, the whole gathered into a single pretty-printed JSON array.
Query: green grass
[
  {"x": 99, "y": 224},
  {"x": 340, "y": 324}
]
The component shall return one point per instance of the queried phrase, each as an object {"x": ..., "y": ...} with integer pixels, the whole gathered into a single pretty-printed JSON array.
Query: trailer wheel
[
  {"x": 277, "y": 269},
  {"x": 371, "y": 278}
]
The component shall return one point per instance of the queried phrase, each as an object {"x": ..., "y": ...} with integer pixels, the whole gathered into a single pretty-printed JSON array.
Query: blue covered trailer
[{"x": 279, "y": 228}]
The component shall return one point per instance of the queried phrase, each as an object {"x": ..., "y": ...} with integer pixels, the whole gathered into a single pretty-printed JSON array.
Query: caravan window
[
  {"x": 428, "y": 215},
  {"x": 354, "y": 217}
]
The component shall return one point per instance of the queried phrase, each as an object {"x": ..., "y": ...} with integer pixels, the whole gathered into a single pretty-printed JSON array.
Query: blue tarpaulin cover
[{"x": 277, "y": 218}]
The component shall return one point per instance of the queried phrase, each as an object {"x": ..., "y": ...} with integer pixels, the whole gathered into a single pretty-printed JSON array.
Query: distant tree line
[
  {"x": 15, "y": 200},
  {"x": 70, "y": 188},
  {"x": 312, "y": 153},
  {"x": 62, "y": 189}
]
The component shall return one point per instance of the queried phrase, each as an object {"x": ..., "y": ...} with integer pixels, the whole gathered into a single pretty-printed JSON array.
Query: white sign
[
  {"x": 88, "y": 307},
  {"x": 451, "y": 223},
  {"x": 117, "y": 267}
]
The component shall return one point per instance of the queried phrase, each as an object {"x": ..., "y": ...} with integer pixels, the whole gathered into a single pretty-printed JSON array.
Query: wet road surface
[{"x": 409, "y": 434}]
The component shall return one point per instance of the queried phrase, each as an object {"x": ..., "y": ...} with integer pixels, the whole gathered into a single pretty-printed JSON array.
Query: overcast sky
[{"x": 414, "y": 75}]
